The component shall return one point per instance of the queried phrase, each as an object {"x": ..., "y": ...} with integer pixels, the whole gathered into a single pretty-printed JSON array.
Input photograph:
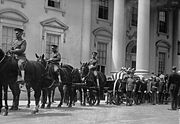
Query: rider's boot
[
  {"x": 97, "y": 80},
  {"x": 21, "y": 78},
  {"x": 57, "y": 83}
]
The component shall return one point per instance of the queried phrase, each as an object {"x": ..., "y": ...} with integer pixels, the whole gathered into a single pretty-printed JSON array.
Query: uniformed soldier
[
  {"x": 18, "y": 49},
  {"x": 55, "y": 60},
  {"x": 93, "y": 65},
  {"x": 173, "y": 87}
]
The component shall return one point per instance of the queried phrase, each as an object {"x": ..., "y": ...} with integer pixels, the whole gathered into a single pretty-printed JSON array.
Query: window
[
  {"x": 178, "y": 49},
  {"x": 8, "y": 36},
  {"x": 102, "y": 56},
  {"x": 103, "y": 9},
  {"x": 161, "y": 68},
  {"x": 51, "y": 39},
  {"x": 134, "y": 16},
  {"x": 54, "y": 3},
  {"x": 163, "y": 23}
]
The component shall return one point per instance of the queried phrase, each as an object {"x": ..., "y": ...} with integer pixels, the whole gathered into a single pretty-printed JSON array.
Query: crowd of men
[{"x": 153, "y": 89}]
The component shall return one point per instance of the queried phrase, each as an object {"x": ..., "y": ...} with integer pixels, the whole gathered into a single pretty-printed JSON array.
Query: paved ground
[{"x": 103, "y": 114}]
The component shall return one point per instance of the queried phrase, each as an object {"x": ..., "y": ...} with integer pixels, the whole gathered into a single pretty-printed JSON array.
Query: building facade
[{"x": 142, "y": 34}]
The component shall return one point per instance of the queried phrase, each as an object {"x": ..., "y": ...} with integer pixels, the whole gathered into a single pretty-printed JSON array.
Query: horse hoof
[
  {"x": 14, "y": 108},
  {"x": 5, "y": 113},
  {"x": 59, "y": 106},
  {"x": 48, "y": 107},
  {"x": 34, "y": 112},
  {"x": 42, "y": 106},
  {"x": 28, "y": 106}
]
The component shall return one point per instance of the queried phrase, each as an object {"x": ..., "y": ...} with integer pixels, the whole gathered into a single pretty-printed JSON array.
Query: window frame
[
  {"x": 61, "y": 9},
  {"x": 102, "y": 19},
  {"x": 59, "y": 41},
  {"x": 99, "y": 50},
  {"x": 167, "y": 23},
  {"x": 131, "y": 19}
]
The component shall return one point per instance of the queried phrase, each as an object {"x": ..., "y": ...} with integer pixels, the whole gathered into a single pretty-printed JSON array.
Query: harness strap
[{"x": 2, "y": 58}]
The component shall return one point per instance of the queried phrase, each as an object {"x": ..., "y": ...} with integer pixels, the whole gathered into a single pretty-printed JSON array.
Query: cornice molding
[
  {"x": 22, "y": 2},
  {"x": 4, "y": 14},
  {"x": 48, "y": 23}
]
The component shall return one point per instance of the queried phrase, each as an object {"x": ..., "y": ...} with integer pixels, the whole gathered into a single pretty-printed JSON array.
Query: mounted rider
[
  {"x": 18, "y": 49},
  {"x": 55, "y": 60},
  {"x": 93, "y": 66}
]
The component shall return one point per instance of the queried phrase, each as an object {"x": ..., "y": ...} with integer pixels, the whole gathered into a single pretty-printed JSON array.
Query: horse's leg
[
  {"x": 70, "y": 96},
  {"x": 49, "y": 97},
  {"x": 28, "y": 95},
  {"x": 13, "y": 93},
  {"x": 53, "y": 93},
  {"x": 44, "y": 98},
  {"x": 37, "y": 94},
  {"x": 5, "y": 99},
  {"x": 16, "y": 93},
  {"x": 84, "y": 96},
  {"x": 62, "y": 94},
  {"x": 1, "y": 105},
  {"x": 98, "y": 96}
]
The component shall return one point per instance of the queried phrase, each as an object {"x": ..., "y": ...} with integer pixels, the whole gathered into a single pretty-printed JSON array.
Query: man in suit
[{"x": 173, "y": 87}]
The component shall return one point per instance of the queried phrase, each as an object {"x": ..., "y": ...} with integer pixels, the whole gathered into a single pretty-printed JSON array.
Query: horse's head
[
  {"x": 41, "y": 59},
  {"x": 84, "y": 69},
  {"x": 76, "y": 77}
]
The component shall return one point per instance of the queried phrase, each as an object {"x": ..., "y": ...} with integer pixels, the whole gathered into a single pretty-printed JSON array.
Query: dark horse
[
  {"x": 90, "y": 80},
  {"x": 65, "y": 87},
  {"x": 8, "y": 72},
  {"x": 34, "y": 76}
]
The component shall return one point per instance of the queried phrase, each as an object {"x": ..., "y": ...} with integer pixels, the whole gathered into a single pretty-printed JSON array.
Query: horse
[
  {"x": 34, "y": 76},
  {"x": 89, "y": 78},
  {"x": 78, "y": 85},
  {"x": 8, "y": 72},
  {"x": 65, "y": 88}
]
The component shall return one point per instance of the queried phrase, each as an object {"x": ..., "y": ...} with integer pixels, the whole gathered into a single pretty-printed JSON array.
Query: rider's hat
[
  {"x": 95, "y": 52},
  {"x": 54, "y": 45},
  {"x": 174, "y": 68},
  {"x": 18, "y": 29}
]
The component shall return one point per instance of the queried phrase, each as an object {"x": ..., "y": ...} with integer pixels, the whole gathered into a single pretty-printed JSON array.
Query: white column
[
  {"x": 118, "y": 42},
  {"x": 86, "y": 30},
  {"x": 143, "y": 29}
]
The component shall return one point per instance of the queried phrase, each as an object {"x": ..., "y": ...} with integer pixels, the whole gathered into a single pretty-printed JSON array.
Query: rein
[{"x": 2, "y": 58}]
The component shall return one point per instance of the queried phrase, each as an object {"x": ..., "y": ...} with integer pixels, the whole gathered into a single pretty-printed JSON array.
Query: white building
[{"x": 134, "y": 33}]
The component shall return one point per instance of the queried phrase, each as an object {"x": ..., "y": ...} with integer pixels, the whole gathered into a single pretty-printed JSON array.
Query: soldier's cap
[
  {"x": 174, "y": 68},
  {"x": 95, "y": 52},
  {"x": 18, "y": 29},
  {"x": 54, "y": 45}
]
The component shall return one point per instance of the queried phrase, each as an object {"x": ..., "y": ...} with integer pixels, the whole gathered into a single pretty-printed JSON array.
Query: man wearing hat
[
  {"x": 55, "y": 60},
  {"x": 173, "y": 87},
  {"x": 93, "y": 66},
  {"x": 19, "y": 48}
]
